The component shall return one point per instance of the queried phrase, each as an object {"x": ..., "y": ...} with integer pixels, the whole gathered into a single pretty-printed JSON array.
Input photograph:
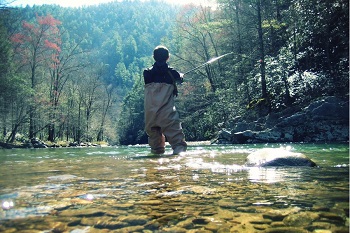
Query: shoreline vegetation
[{"x": 36, "y": 143}]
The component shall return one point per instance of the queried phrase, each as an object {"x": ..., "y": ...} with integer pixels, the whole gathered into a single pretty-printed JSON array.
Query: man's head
[{"x": 161, "y": 53}]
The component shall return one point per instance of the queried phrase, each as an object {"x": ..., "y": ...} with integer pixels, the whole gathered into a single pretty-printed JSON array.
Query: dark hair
[{"x": 160, "y": 53}]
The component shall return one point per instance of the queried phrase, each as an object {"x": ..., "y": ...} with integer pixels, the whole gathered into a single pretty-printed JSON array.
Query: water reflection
[
  {"x": 254, "y": 174},
  {"x": 216, "y": 167},
  {"x": 208, "y": 182},
  {"x": 270, "y": 175},
  {"x": 7, "y": 204}
]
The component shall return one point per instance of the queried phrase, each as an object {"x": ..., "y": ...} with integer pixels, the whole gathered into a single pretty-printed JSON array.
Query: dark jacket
[{"x": 159, "y": 73}]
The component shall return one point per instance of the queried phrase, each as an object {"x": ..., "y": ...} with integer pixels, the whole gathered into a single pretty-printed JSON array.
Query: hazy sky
[{"x": 77, "y": 3}]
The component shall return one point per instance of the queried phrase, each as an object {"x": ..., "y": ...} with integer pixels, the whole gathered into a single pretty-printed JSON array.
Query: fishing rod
[{"x": 208, "y": 62}]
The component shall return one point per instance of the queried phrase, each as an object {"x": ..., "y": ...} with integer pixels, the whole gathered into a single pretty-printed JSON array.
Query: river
[{"x": 207, "y": 189}]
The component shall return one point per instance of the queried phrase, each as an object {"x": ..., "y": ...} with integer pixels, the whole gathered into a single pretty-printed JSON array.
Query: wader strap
[{"x": 174, "y": 83}]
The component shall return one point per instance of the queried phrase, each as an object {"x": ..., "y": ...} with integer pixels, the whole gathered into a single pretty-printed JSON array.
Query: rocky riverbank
[
  {"x": 324, "y": 120},
  {"x": 36, "y": 143}
]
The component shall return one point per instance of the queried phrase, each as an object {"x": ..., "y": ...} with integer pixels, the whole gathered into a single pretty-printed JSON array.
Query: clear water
[{"x": 40, "y": 188}]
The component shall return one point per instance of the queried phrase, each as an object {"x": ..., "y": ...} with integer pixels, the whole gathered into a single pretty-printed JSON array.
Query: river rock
[
  {"x": 123, "y": 206},
  {"x": 82, "y": 213},
  {"x": 224, "y": 137},
  {"x": 300, "y": 219},
  {"x": 130, "y": 229},
  {"x": 37, "y": 143},
  {"x": 134, "y": 219},
  {"x": 279, "y": 215},
  {"x": 187, "y": 224},
  {"x": 227, "y": 204},
  {"x": 286, "y": 230},
  {"x": 332, "y": 216},
  {"x": 175, "y": 229},
  {"x": 62, "y": 177},
  {"x": 278, "y": 157},
  {"x": 324, "y": 120},
  {"x": 107, "y": 224},
  {"x": 150, "y": 202}
]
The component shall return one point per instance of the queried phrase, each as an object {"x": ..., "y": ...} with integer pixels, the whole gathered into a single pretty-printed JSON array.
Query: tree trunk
[
  {"x": 31, "y": 122},
  {"x": 262, "y": 52},
  {"x": 12, "y": 136},
  {"x": 78, "y": 131},
  {"x": 51, "y": 136}
]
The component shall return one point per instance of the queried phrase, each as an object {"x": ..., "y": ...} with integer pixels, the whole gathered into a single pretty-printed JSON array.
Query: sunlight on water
[
  {"x": 7, "y": 204},
  {"x": 206, "y": 182},
  {"x": 268, "y": 175}
]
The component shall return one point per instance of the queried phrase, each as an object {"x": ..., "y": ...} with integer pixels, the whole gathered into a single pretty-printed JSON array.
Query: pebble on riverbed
[
  {"x": 190, "y": 200},
  {"x": 225, "y": 218}
]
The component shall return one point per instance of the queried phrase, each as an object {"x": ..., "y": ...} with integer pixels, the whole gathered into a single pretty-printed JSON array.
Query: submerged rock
[
  {"x": 62, "y": 177},
  {"x": 278, "y": 157},
  {"x": 300, "y": 219}
]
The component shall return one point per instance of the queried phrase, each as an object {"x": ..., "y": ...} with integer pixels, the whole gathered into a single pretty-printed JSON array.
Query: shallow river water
[{"x": 208, "y": 189}]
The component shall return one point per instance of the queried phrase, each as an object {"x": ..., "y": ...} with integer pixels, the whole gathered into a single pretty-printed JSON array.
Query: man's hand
[{"x": 181, "y": 75}]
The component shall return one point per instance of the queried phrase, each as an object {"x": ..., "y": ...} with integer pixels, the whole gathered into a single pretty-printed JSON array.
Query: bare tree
[{"x": 33, "y": 46}]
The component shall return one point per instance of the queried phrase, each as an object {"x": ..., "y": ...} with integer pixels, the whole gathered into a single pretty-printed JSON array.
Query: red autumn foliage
[
  {"x": 27, "y": 25},
  {"x": 18, "y": 38},
  {"x": 41, "y": 37},
  {"x": 48, "y": 20},
  {"x": 52, "y": 45}
]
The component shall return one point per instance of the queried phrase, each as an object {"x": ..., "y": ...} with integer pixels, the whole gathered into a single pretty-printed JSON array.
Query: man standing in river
[{"x": 161, "y": 118}]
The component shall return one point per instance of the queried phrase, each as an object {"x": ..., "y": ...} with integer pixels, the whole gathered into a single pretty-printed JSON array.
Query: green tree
[
  {"x": 108, "y": 98},
  {"x": 131, "y": 120},
  {"x": 320, "y": 39}
]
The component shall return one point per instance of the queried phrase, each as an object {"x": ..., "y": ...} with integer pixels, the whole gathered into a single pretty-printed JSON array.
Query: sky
[{"x": 77, "y": 3}]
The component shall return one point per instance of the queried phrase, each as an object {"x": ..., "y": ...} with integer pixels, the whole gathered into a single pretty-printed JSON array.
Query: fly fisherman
[{"x": 161, "y": 118}]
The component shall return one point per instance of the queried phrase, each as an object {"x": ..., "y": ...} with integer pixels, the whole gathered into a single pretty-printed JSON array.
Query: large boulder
[
  {"x": 278, "y": 157},
  {"x": 36, "y": 143}
]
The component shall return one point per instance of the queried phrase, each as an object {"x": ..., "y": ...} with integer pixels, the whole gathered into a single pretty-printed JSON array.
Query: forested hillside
[
  {"x": 67, "y": 70},
  {"x": 75, "y": 74}
]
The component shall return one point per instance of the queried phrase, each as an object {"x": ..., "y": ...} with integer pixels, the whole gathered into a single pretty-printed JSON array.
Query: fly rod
[{"x": 208, "y": 62}]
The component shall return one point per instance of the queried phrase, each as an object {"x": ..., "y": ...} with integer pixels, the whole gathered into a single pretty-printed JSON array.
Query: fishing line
[{"x": 208, "y": 62}]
